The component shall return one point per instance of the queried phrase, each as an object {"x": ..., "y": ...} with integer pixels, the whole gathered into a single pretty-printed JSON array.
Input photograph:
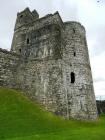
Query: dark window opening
[
  {"x": 73, "y": 30},
  {"x": 74, "y": 53},
  {"x": 72, "y": 77},
  {"x": 20, "y": 50},
  {"x": 21, "y": 16},
  {"x": 28, "y": 41}
]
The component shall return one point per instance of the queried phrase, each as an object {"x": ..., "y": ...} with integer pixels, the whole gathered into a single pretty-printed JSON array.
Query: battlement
[
  {"x": 26, "y": 18},
  {"x": 34, "y": 14},
  {"x": 76, "y": 25}
]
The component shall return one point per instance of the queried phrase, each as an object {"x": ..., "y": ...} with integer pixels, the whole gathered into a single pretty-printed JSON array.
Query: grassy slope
[{"x": 21, "y": 119}]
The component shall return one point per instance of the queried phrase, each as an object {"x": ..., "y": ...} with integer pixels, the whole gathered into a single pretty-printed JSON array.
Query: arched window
[{"x": 72, "y": 77}]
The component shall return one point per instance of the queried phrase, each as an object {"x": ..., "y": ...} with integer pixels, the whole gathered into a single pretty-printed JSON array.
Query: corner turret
[
  {"x": 35, "y": 14},
  {"x": 25, "y": 17},
  {"x": 23, "y": 22}
]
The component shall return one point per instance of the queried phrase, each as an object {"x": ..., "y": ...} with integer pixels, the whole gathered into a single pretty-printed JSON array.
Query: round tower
[{"x": 79, "y": 83}]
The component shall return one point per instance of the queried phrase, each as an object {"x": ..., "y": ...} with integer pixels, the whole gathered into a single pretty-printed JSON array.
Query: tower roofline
[
  {"x": 25, "y": 10},
  {"x": 52, "y": 18},
  {"x": 76, "y": 23}
]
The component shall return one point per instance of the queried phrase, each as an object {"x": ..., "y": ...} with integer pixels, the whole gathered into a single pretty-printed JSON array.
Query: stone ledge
[{"x": 8, "y": 52}]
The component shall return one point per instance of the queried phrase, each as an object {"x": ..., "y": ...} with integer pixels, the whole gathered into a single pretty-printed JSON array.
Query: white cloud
[
  {"x": 27, "y": 2},
  {"x": 68, "y": 9}
]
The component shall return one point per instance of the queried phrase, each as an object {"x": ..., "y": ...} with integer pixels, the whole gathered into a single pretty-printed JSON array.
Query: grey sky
[{"x": 89, "y": 12}]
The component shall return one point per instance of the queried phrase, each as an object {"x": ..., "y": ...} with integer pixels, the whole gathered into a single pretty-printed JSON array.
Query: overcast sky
[{"x": 89, "y": 12}]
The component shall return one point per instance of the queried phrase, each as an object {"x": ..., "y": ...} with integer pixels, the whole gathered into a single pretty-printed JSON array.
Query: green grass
[{"x": 21, "y": 119}]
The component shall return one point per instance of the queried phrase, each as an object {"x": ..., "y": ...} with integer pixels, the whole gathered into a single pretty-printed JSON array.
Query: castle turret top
[
  {"x": 34, "y": 13},
  {"x": 26, "y": 16}
]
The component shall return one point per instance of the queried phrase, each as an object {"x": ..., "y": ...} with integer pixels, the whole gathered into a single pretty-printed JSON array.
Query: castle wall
[
  {"x": 40, "y": 73},
  {"x": 58, "y": 94},
  {"x": 8, "y": 64},
  {"x": 81, "y": 99},
  {"x": 21, "y": 34},
  {"x": 42, "y": 81},
  {"x": 51, "y": 65}
]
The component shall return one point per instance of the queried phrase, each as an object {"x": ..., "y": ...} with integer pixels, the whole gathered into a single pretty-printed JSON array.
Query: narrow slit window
[
  {"x": 74, "y": 53},
  {"x": 20, "y": 50},
  {"x": 28, "y": 41},
  {"x": 73, "y": 30},
  {"x": 72, "y": 77}
]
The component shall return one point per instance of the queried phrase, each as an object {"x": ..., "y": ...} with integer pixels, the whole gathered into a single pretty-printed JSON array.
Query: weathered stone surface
[
  {"x": 8, "y": 64},
  {"x": 49, "y": 61}
]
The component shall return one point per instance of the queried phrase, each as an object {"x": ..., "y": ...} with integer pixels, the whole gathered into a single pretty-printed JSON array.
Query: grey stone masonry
[
  {"x": 49, "y": 61},
  {"x": 8, "y": 65}
]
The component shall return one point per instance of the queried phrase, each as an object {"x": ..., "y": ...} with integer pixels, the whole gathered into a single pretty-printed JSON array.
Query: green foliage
[{"x": 21, "y": 119}]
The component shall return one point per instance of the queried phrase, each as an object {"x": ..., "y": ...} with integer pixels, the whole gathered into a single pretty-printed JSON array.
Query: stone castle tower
[{"x": 49, "y": 61}]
